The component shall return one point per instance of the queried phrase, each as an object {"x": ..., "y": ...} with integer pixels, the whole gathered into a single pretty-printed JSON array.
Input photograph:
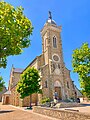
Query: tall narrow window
[{"x": 54, "y": 42}]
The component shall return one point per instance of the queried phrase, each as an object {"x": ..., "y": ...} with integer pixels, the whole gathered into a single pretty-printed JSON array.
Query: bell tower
[
  {"x": 51, "y": 42},
  {"x": 53, "y": 57}
]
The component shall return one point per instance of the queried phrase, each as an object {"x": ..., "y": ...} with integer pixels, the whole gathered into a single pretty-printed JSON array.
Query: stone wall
[
  {"x": 61, "y": 114},
  {"x": 26, "y": 100}
]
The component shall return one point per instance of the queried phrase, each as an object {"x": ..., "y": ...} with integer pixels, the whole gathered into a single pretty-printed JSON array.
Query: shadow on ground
[
  {"x": 86, "y": 104},
  {"x": 5, "y": 111}
]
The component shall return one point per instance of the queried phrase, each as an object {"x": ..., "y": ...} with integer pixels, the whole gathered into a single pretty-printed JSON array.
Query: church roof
[
  {"x": 30, "y": 63},
  {"x": 7, "y": 92},
  {"x": 79, "y": 94},
  {"x": 18, "y": 70}
]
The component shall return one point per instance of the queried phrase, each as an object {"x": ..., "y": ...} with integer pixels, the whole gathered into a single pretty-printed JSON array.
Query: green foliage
[
  {"x": 81, "y": 65},
  {"x": 15, "y": 30},
  {"x": 1, "y": 83},
  {"x": 44, "y": 100},
  {"x": 29, "y": 82}
]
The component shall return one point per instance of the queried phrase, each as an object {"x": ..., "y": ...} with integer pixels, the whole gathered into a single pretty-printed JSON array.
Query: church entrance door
[{"x": 58, "y": 90}]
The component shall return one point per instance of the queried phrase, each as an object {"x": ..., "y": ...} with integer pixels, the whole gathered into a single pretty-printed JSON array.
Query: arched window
[{"x": 54, "y": 42}]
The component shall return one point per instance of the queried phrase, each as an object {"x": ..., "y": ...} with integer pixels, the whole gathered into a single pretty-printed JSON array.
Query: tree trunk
[
  {"x": 30, "y": 101},
  {"x": 36, "y": 99}
]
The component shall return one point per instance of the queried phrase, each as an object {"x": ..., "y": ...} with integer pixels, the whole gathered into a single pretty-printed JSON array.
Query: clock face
[{"x": 57, "y": 71}]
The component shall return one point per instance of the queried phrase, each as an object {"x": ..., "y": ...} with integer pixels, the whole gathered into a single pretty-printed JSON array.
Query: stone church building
[{"x": 55, "y": 77}]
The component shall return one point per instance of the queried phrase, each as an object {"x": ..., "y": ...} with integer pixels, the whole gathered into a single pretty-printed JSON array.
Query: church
[{"x": 55, "y": 77}]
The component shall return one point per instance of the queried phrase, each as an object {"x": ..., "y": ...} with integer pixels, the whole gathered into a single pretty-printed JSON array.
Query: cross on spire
[{"x": 49, "y": 15}]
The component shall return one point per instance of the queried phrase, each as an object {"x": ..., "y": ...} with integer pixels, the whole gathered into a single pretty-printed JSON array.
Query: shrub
[{"x": 44, "y": 100}]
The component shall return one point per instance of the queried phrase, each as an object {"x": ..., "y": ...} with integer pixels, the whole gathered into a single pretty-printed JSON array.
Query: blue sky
[{"x": 72, "y": 15}]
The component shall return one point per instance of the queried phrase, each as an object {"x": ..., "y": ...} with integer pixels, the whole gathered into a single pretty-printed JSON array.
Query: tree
[
  {"x": 29, "y": 83},
  {"x": 15, "y": 30},
  {"x": 1, "y": 83},
  {"x": 81, "y": 65}
]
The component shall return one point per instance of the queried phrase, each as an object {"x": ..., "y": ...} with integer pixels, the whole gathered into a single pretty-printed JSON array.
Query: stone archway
[{"x": 57, "y": 89}]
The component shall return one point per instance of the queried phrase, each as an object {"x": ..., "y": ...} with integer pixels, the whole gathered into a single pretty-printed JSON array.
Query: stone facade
[{"x": 55, "y": 77}]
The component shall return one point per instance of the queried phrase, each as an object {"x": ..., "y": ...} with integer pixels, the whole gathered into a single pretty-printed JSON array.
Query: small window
[
  {"x": 54, "y": 42},
  {"x": 46, "y": 84},
  {"x": 53, "y": 66}
]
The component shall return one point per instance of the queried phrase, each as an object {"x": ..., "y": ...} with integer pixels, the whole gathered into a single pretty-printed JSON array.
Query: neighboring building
[
  {"x": 55, "y": 77},
  {"x": 1, "y": 92},
  {"x": 6, "y": 97},
  {"x": 11, "y": 96}
]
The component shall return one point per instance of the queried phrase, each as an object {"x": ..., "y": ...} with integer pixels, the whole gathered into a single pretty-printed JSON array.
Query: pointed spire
[{"x": 49, "y": 15}]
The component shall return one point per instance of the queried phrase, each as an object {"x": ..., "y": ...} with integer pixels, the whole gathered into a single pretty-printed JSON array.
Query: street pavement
[{"x": 8, "y": 112}]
